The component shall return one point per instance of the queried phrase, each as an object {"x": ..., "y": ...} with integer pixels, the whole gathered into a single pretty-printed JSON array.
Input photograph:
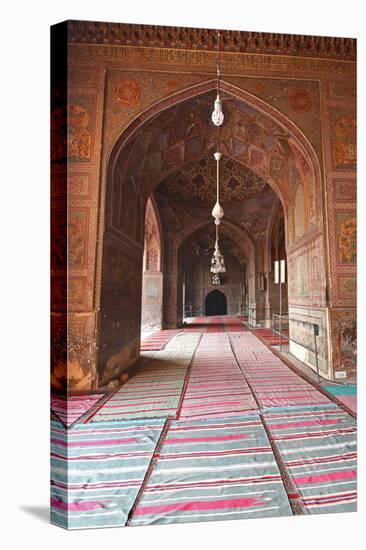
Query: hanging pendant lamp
[
  {"x": 217, "y": 261},
  {"x": 218, "y": 115}
]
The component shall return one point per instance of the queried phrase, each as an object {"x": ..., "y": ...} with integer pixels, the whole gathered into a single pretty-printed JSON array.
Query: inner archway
[
  {"x": 215, "y": 303},
  {"x": 195, "y": 255}
]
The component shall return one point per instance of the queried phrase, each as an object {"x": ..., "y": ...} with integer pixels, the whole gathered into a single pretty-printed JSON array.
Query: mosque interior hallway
[{"x": 211, "y": 425}]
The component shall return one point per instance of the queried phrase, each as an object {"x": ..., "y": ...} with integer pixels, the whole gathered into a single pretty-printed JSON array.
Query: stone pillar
[
  {"x": 170, "y": 285},
  {"x": 152, "y": 300},
  {"x": 120, "y": 315}
]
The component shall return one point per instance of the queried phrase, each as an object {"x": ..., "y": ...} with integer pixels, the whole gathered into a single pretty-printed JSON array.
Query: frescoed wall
[{"x": 290, "y": 121}]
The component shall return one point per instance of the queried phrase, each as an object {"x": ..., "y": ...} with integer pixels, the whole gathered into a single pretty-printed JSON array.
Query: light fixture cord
[
  {"x": 218, "y": 127},
  {"x": 218, "y": 63},
  {"x": 217, "y": 180}
]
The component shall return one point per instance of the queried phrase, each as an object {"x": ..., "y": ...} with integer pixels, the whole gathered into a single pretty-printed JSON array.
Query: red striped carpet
[
  {"x": 318, "y": 446},
  {"x": 213, "y": 325},
  {"x": 272, "y": 339},
  {"x": 158, "y": 340},
  {"x": 156, "y": 388},
  {"x": 217, "y": 324},
  {"x": 272, "y": 382},
  {"x": 97, "y": 471},
  {"x": 209, "y": 471},
  {"x": 216, "y": 386},
  {"x": 213, "y": 459},
  {"x": 72, "y": 409},
  {"x": 196, "y": 324},
  {"x": 234, "y": 324}
]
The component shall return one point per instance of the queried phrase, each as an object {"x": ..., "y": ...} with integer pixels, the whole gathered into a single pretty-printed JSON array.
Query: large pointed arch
[{"x": 132, "y": 194}]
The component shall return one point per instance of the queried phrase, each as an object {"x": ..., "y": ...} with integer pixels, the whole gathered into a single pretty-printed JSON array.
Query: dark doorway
[{"x": 215, "y": 303}]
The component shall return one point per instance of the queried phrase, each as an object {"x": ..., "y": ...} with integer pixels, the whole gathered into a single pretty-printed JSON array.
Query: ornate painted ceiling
[
  {"x": 186, "y": 197},
  {"x": 175, "y": 150},
  {"x": 171, "y": 155},
  {"x": 185, "y": 133},
  {"x": 198, "y": 179}
]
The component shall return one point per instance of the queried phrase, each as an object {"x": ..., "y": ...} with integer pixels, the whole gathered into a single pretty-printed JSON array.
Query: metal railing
[
  {"x": 259, "y": 314},
  {"x": 281, "y": 320},
  {"x": 188, "y": 311}
]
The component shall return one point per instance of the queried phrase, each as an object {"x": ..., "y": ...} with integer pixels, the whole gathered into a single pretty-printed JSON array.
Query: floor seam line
[
  {"x": 149, "y": 471},
  {"x": 98, "y": 406},
  {"x": 186, "y": 378}
]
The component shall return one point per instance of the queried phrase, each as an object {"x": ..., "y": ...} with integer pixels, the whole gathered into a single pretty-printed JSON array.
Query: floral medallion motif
[
  {"x": 300, "y": 100},
  {"x": 127, "y": 92}
]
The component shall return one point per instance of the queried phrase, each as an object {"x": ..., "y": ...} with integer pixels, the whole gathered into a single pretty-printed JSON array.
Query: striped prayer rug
[
  {"x": 273, "y": 383},
  {"x": 272, "y": 339},
  {"x": 216, "y": 386},
  {"x": 213, "y": 471},
  {"x": 318, "y": 447},
  {"x": 155, "y": 390},
  {"x": 158, "y": 340},
  {"x": 345, "y": 394},
  {"x": 97, "y": 471},
  {"x": 195, "y": 323},
  {"x": 234, "y": 324},
  {"x": 216, "y": 324},
  {"x": 72, "y": 409},
  {"x": 213, "y": 324}
]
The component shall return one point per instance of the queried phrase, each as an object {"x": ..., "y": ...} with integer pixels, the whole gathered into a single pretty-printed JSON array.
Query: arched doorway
[
  {"x": 215, "y": 303},
  {"x": 131, "y": 181}
]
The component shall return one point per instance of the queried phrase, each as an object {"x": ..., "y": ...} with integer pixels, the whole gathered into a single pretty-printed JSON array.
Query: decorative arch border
[
  {"x": 242, "y": 95},
  {"x": 240, "y": 231},
  {"x": 179, "y": 97},
  {"x": 199, "y": 89}
]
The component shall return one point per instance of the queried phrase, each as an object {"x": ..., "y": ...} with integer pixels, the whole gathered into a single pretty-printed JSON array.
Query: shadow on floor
[{"x": 40, "y": 512}]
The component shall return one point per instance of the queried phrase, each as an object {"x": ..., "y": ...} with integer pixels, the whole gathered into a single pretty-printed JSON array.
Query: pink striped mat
[
  {"x": 72, "y": 409},
  {"x": 158, "y": 340},
  {"x": 273, "y": 383},
  {"x": 216, "y": 386}
]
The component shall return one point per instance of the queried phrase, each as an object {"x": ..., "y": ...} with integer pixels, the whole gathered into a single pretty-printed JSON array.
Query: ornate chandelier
[{"x": 217, "y": 261}]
